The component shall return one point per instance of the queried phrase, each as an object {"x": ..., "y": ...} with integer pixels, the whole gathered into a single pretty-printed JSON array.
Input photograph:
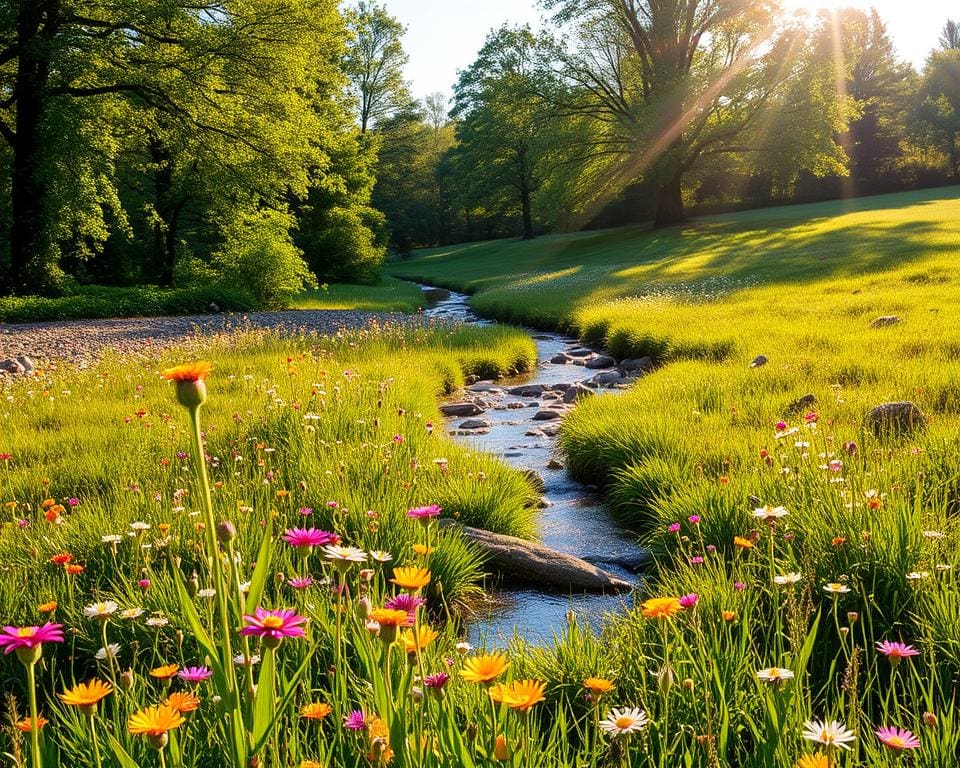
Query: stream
[{"x": 573, "y": 519}]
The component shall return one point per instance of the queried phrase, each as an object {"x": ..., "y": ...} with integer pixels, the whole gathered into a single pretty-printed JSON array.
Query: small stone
[
  {"x": 561, "y": 386},
  {"x": 580, "y": 352},
  {"x": 552, "y": 395},
  {"x": 515, "y": 406},
  {"x": 560, "y": 359},
  {"x": 475, "y": 424},
  {"x": 600, "y": 361},
  {"x": 554, "y": 464},
  {"x": 547, "y": 414},
  {"x": 606, "y": 379},
  {"x": 758, "y": 361},
  {"x": 884, "y": 322},
  {"x": 529, "y": 390},
  {"x": 459, "y": 409},
  {"x": 486, "y": 386},
  {"x": 534, "y": 433},
  {"x": 551, "y": 430},
  {"x": 535, "y": 480},
  {"x": 544, "y": 503},
  {"x": 895, "y": 419}
]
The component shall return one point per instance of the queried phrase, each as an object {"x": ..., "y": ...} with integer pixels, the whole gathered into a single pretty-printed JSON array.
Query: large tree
[
  {"x": 670, "y": 83},
  {"x": 939, "y": 109}
]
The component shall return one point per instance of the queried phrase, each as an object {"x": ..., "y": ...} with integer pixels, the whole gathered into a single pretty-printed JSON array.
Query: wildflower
[
  {"x": 689, "y": 601},
  {"x": 830, "y": 733},
  {"x": 770, "y": 514},
  {"x": 463, "y": 648},
  {"x": 739, "y": 586},
  {"x": 155, "y": 723},
  {"x": 164, "y": 672},
  {"x": 26, "y": 726},
  {"x": 111, "y": 538},
  {"x": 182, "y": 701},
  {"x": 696, "y": 560},
  {"x": 896, "y": 651},
  {"x": 101, "y": 611},
  {"x": 416, "y": 640},
  {"x": 660, "y": 608},
  {"x": 774, "y": 675},
  {"x": 48, "y": 607},
  {"x": 206, "y": 593},
  {"x": 130, "y": 614},
  {"x": 310, "y": 764},
  {"x": 484, "y": 668},
  {"x": 378, "y": 556},
  {"x": 27, "y": 642},
  {"x": 520, "y": 695},
  {"x": 315, "y": 711},
  {"x": 411, "y": 578},
  {"x": 693, "y": 519},
  {"x": 144, "y": 583},
  {"x": 729, "y": 616},
  {"x": 674, "y": 528},
  {"x": 422, "y": 549},
  {"x": 189, "y": 380},
  {"x": 897, "y": 738},
  {"x": 424, "y": 514},
  {"x": 355, "y": 721},
  {"x": 74, "y": 569},
  {"x": 437, "y": 681},
  {"x": 598, "y": 686},
  {"x": 195, "y": 675},
  {"x": 157, "y": 621},
  {"x": 344, "y": 557},
  {"x": 835, "y": 588},
  {"x": 932, "y": 534},
  {"x": 108, "y": 652},
  {"x": 838, "y": 541},
  {"x": 501, "y": 748},
  {"x": 273, "y": 626},
  {"x": 742, "y": 543},
  {"x": 787, "y": 579},
  {"x": 929, "y": 719},
  {"x": 62, "y": 558},
  {"x": 86, "y": 696},
  {"x": 308, "y": 538},
  {"x": 300, "y": 582},
  {"x": 918, "y": 575},
  {"x": 623, "y": 722},
  {"x": 819, "y": 760}
]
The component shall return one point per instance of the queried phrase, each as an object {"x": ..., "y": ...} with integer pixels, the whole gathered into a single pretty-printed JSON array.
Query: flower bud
[
  {"x": 193, "y": 585},
  {"x": 501, "y": 749},
  {"x": 665, "y": 679},
  {"x": 853, "y": 617},
  {"x": 126, "y": 679},
  {"x": 226, "y": 532},
  {"x": 929, "y": 719},
  {"x": 191, "y": 394},
  {"x": 687, "y": 684}
]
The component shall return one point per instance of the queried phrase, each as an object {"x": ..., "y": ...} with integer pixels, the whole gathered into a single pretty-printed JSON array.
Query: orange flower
[
  {"x": 154, "y": 721},
  {"x": 86, "y": 696},
  {"x": 316, "y": 711},
  {"x": 197, "y": 371},
  {"x": 282, "y": 494},
  {"x": 838, "y": 541},
  {"x": 163, "y": 527},
  {"x": 501, "y": 749},
  {"x": 520, "y": 695},
  {"x": 422, "y": 549},
  {"x": 484, "y": 668},
  {"x": 661, "y": 608},
  {"x": 387, "y": 617},
  {"x": 61, "y": 559},
  {"x": 729, "y": 616},
  {"x": 47, "y": 503},
  {"x": 743, "y": 543},
  {"x": 25, "y": 724},
  {"x": 411, "y": 578},
  {"x": 418, "y": 639},
  {"x": 74, "y": 569},
  {"x": 598, "y": 686},
  {"x": 165, "y": 672},
  {"x": 182, "y": 701},
  {"x": 49, "y": 607}
]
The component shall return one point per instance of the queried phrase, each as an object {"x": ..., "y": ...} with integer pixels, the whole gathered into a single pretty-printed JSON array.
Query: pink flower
[
  {"x": 811, "y": 417},
  {"x": 309, "y": 537},
  {"x": 674, "y": 528},
  {"x": 897, "y": 738},
  {"x": 696, "y": 560},
  {"x": 306, "y": 511},
  {"x": 896, "y": 651},
  {"x": 300, "y": 582},
  {"x": 694, "y": 519},
  {"x": 406, "y": 602},
  {"x": 355, "y": 721},
  {"x": 273, "y": 626},
  {"x": 739, "y": 586},
  {"x": 781, "y": 425},
  {"x": 424, "y": 513},
  {"x": 26, "y": 639},
  {"x": 688, "y": 601},
  {"x": 195, "y": 674},
  {"x": 144, "y": 584},
  {"x": 436, "y": 681}
]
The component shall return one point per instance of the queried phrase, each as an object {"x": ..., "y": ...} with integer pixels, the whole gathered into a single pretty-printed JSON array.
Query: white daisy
[
  {"x": 110, "y": 652},
  {"x": 131, "y": 613},
  {"x": 101, "y": 611},
  {"x": 918, "y": 575},
  {"x": 787, "y": 579},
  {"x": 836, "y": 589},
  {"x": 830, "y": 733},
  {"x": 774, "y": 675},
  {"x": 770, "y": 514},
  {"x": 621, "y": 722}
]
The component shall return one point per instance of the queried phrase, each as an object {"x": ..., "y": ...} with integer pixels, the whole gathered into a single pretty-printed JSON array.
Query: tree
[
  {"x": 939, "y": 110},
  {"x": 497, "y": 100},
  {"x": 668, "y": 84},
  {"x": 950, "y": 36},
  {"x": 375, "y": 63}
]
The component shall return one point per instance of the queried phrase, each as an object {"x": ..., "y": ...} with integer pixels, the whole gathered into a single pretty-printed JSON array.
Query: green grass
[{"x": 388, "y": 295}]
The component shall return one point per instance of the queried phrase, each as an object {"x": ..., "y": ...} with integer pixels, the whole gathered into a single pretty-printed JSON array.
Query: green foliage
[
  {"x": 341, "y": 245},
  {"x": 258, "y": 256},
  {"x": 386, "y": 295}
]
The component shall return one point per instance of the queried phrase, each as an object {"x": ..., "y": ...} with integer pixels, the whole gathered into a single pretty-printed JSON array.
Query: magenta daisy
[
  {"x": 195, "y": 674},
  {"x": 273, "y": 626},
  {"x": 308, "y": 538},
  {"x": 406, "y": 602},
  {"x": 897, "y": 738},
  {"x": 436, "y": 681},
  {"x": 896, "y": 651},
  {"x": 26, "y": 641},
  {"x": 300, "y": 582},
  {"x": 355, "y": 721},
  {"x": 424, "y": 514},
  {"x": 689, "y": 601}
]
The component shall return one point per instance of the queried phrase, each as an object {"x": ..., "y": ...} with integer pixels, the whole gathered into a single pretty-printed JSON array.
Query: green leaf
[
  {"x": 264, "y": 703},
  {"x": 260, "y": 574}
]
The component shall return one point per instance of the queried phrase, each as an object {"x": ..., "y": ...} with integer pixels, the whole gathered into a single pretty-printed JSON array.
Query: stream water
[{"x": 575, "y": 521}]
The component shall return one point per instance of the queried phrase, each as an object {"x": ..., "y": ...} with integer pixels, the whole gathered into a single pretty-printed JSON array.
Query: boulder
[
  {"x": 560, "y": 386},
  {"x": 550, "y": 430},
  {"x": 637, "y": 364},
  {"x": 580, "y": 352},
  {"x": 547, "y": 414},
  {"x": 460, "y": 409},
  {"x": 554, "y": 464},
  {"x": 577, "y": 392},
  {"x": 884, "y": 322},
  {"x": 26, "y": 363},
  {"x": 551, "y": 395},
  {"x": 10, "y": 365},
  {"x": 475, "y": 424},
  {"x": 519, "y": 560},
  {"x": 802, "y": 403},
  {"x": 433, "y": 295},
  {"x": 895, "y": 419},
  {"x": 606, "y": 379},
  {"x": 528, "y": 390},
  {"x": 758, "y": 361},
  {"x": 633, "y": 562},
  {"x": 560, "y": 359},
  {"x": 601, "y": 361}
]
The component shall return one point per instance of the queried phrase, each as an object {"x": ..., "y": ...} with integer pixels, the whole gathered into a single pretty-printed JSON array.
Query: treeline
[
  {"x": 617, "y": 112},
  {"x": 183, "y": 144}
]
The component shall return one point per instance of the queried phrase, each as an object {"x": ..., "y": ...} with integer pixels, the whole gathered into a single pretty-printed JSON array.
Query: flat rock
[
  {"x": 26, "y": 363},
  {"x": 895, "y": 419},
  {"x": 486, "y": 386},
  {"x": 534, "y": 433},
  {"x": 758, "y": 361},
  {"x": 433, "y": 295},
  {"x": 475, "y": 424},
  {"x": 580, "y": 352},
  {"x": 560, "y": 359},
  {"x": 560, "y": 386},
  {"x": 460, "y": 409},
  {"x": 547, "y": 414},
  {"x": 601, "y": 361},
  {"x": 528, "y": 390},
  {"x": 884, "y": 322},
  {"x": 520, "y": 560},
  {"x": 550, "y": 430},
  {"x": 551, "y": 395},
  {"x": 606, "y": 379}
]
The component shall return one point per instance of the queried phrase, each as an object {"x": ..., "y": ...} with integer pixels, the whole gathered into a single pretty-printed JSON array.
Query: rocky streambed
[{"x": 520, "y": 423}]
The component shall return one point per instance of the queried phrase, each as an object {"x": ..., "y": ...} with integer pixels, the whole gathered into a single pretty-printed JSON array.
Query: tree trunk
[
  {"x": 29, "y": 238},
  {"x": 525, "y": 204},
  {"x": 670, "y": 203}
]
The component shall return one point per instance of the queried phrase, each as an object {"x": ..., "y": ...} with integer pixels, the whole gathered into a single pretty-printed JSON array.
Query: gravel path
[{"x": 80, "y": 340}]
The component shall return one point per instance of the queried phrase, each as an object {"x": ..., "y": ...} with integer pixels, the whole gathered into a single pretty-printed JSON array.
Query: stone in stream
[
  {"x": 515, "y": 406},
  {"x": 633, "y": 562},
  {"x": 534, "y": 433},
  {"x": 576, "y": 392},
  {"x": 547, "y": 414},
  {"x": 519, "y": 560},
  {"x": 550, "y": 430},
  {"x": 554, "y": 464},
  {"x": 551, "y": 395},
  {"x": 460, "y": 409},
  {"x": 528, "y": 390},
  {"x": 560, "y": 359},
  {"x": 600, "y": 361},
  {"x": 486, "y": 386},
  {"x": 433, "y": 295},
  {"x": 475, "y": 424},
  {"x": 535, "y": 479},
  {"x": 606, "y": 379},
  {"x": 580, "y": 352},
  {"x": 560, "y": 386}
]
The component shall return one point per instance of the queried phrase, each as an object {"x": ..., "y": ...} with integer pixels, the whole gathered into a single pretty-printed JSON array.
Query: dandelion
[
  {"x": 86, "y": 696},
  {"x": 74, "y": 569},
  {"x": 623, "y": 722},
  {"x": 411, "y": 578},
  {"x": 182, "y": 701},
  {"x": 155, "y": 723},
  {"x": 422, "y": 550},
  {"x": 660, "y": 608},
  {"x": 774, "y": 675},
  {"x": 787, "y": 579},
  {"x": 190, "y": 385},
  {"x": 100, "y": 611},
  {"x": 195, "y": 675},
  {"x": 316, "y": 711},
  {"x": 830, "y": 733},
  {"x": 897, "y": 738},
  {"x": 729, "y": 616},
  {"x": 484, "y": 668},
  {"x": 48, "y": 607},
  {"x": 273, "y": 626}
]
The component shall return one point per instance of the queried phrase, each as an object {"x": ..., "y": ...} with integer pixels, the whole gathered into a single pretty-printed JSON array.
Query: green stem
[
  {"x": 35, "y": 759},
  {"x": 94, "y": 742},
  {"x": 163, "y": 762}
]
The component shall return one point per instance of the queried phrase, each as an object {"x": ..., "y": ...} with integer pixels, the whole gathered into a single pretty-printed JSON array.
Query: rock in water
[
  {"x": 475, "y": 424},
  {"x": 460, "y": 409},
  {"x": 519, "y": 560},
  {"x": 577, "y": 392},
  {"x": 895, "y": 419},
  {"x": 601, "y": 361},
  {"x": 547, "y": 414}
]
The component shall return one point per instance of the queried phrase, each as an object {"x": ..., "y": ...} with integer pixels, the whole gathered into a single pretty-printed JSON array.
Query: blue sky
[{"x": 445, "y": 35}]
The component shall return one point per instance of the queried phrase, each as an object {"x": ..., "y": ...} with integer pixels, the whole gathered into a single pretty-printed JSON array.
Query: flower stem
[
  {"x": 94, "y": 742},
  {"x": 35, "y": 759}
]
